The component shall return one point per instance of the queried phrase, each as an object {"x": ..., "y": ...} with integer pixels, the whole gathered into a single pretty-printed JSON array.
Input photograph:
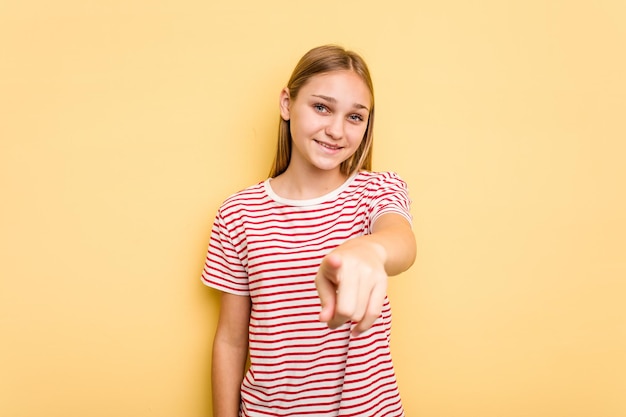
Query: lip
[{"x": 328, "y": 147}]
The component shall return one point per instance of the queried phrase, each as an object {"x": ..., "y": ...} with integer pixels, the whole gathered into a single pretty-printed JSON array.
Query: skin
[
  {"x": 328, "y": 120},
  {"x": 230, "y": 351},
  {"x": 352, "y": 279}
]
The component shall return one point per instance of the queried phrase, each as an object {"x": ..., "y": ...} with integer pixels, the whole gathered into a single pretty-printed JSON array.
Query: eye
[
  {"x": 356, "y": 117},
  {"x": 321, "y": 108}
]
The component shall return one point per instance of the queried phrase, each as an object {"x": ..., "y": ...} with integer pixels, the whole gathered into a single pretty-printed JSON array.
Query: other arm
[{"x": 230, "y": 351}]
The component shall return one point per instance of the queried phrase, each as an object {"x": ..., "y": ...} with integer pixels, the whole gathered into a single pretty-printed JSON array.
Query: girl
[{"x": 302, "y": 259}]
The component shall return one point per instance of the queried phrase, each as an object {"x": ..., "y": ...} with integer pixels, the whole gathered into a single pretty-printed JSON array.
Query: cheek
[
  {"x": 306, "y": 125},
  {"x": 357, "y": 133}
]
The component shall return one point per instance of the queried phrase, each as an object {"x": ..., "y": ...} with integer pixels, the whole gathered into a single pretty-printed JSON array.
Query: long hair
[{"x": 321, "y": 60}]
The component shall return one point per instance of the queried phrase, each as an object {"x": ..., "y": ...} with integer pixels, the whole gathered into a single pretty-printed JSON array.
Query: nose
[{"x": 335, "y": 128}]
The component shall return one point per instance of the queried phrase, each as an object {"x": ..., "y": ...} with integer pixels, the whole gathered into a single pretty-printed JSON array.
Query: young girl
[{"x": 302, "y": 259}]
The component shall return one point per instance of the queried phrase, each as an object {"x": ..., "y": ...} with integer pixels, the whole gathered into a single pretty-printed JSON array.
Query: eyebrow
[{"x": 333, "y": 100}]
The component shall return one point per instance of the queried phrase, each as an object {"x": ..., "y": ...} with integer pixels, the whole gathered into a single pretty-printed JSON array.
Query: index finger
[{"x": 327, "y": 293}]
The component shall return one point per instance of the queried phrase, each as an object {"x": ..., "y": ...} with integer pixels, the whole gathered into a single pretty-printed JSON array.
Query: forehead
[{"x": 343, "y": 86}]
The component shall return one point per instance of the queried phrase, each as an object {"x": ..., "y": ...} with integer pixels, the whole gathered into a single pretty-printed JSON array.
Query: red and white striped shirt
[{"x": 270, "y": 248}]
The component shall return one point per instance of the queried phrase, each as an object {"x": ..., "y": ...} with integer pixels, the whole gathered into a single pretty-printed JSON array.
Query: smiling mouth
[{"x": 327, "y": 146}]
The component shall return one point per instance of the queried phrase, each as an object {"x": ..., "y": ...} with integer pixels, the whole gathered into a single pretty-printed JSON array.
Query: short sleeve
[
  {"x": 391, "y": 196},
  {"x": 224, "y": 268}
]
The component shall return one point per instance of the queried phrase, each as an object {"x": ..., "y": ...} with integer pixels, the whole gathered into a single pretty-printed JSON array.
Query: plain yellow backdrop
[{"x": 124, "y": 124}]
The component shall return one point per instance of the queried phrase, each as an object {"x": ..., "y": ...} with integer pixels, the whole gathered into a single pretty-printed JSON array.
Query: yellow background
[{"x": 124, "y": 124}]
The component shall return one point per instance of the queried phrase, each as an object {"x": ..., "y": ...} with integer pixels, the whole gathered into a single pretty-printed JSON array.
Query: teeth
[{"x": 328, "y": 146}]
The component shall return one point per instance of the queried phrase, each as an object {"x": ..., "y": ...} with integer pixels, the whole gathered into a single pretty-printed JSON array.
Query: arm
[
  {"x": 352, "y": 279},
  {"x": 230, "y": 351}
]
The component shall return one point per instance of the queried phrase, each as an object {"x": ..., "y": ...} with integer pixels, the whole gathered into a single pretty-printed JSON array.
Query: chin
[{"x": 328, "y": 167}]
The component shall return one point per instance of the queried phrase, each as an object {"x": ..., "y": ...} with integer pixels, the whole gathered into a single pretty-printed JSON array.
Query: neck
[{"x": 298, "y": 185}]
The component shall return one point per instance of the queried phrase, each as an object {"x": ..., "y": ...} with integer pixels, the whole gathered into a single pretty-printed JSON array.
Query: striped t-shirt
[{"x": 270, "y": 248}]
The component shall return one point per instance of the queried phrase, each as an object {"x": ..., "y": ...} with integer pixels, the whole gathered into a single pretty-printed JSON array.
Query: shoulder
[
  {"x": 254, "y": 191},
  {"x": 250, "y": 196},
  {"x": 382, "y": 179},
  {"x": 387, "y": 193}
]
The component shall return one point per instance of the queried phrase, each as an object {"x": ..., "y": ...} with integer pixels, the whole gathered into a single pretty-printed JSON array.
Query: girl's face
[{"x": 328, "y": 119}]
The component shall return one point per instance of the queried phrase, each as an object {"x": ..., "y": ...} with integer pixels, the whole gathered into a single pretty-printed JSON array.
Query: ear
[{"x": 283, "y": 102}]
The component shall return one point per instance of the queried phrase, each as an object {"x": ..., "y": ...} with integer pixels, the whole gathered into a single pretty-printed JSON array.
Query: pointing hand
[{"x": 352, "y": 285}]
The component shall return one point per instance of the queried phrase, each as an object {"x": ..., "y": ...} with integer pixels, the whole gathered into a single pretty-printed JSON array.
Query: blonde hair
[{"x": 321, "y": 60}]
